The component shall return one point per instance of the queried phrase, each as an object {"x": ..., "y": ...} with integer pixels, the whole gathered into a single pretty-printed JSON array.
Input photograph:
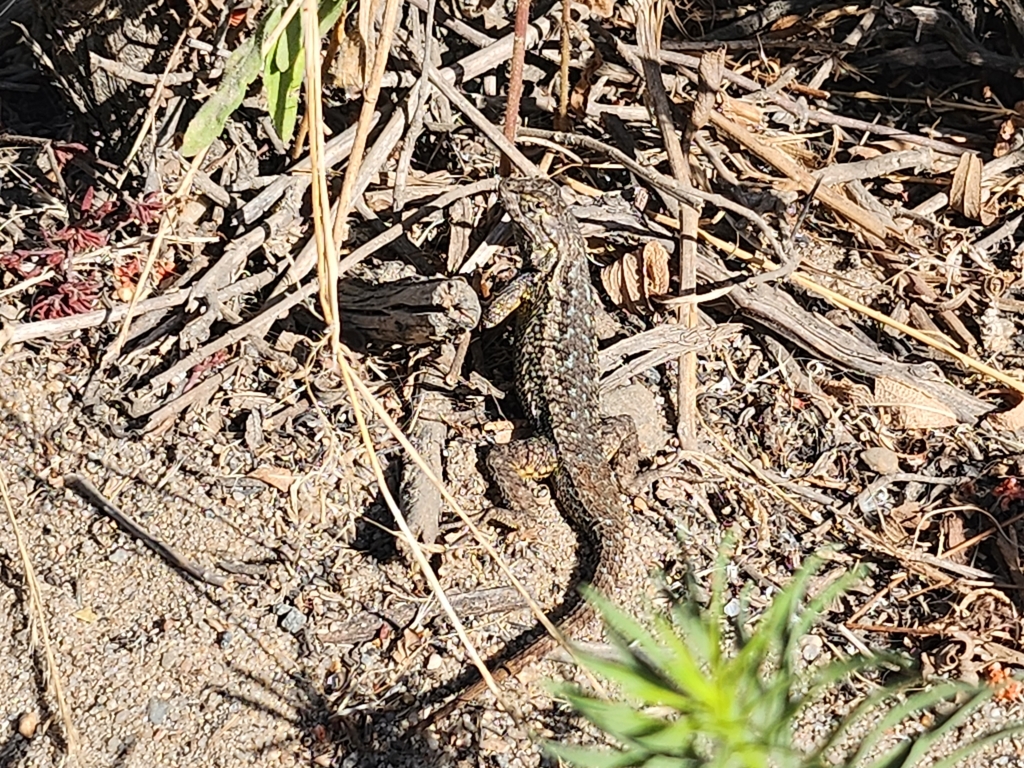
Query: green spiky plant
[{"x": 737, "y": 709}]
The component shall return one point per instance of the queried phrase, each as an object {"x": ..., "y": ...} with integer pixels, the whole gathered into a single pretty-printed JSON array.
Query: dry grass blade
[
  {"x": 370, "y": 96},
  {"x": 328, "y": 277},
  {"x": 323, "y": 233},
  {"x": 38, "y": 616},
  {"x": 167, "y": 222},
  {"x": 351, "y": 384}
]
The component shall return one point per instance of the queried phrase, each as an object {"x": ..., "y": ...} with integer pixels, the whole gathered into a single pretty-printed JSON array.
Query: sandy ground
[{"x": 301, "y": 659}]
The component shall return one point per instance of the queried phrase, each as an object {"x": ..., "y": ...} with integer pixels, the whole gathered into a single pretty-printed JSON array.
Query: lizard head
[{"x": 542, "y": 222}]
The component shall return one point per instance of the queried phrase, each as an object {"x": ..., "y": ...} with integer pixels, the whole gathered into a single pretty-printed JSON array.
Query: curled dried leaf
[
  {"x": 1008, "y": 421},
  {"x": 965, "y": 191},
  {"x": 633, "y": 280},
  {"x": 280, "y": 478}
]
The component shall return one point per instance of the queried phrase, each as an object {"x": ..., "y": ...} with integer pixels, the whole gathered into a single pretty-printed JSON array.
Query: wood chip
[
  {"x": 965, "y": 192},
  {"x": 911, "y": 408}
]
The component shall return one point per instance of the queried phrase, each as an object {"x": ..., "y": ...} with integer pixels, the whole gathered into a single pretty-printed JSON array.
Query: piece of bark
[
  {"x": 366, "y": 626},
  {"x": 421, "y": 499},
  {"x": 777, "y": 310},
  {"x": 409, "y": 311}
]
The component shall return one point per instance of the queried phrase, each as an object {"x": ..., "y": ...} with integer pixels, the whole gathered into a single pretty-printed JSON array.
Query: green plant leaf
[
  {"x": 674, "y": 738},
  {"x": 282, "y": 70},
  {"x": 241, "y": 68},
  {"x": 330, "y": 10},
  {"x": 693, "y": 675},
  {"x": 592, "y": 757},
  {"x": 817, "y": 606},
  {"x": 638, "y": 681},
  {"x": 733, "y": 704},
  {"x": 979, "y": 744},
  {"x": 651, "y": 661},
  {"x": 915, "y": 703},
  {"x": 622, "y": 626},
  {"x": 617, "y": 718},
  {"x": 283, "y": 67},
  {"x": 867, "y": 705},
  {"x": 946, "y": 723}
]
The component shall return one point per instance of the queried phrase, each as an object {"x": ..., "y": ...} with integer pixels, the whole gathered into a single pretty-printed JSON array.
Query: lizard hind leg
[
  {"x": 515, "y": 468},
  {"x": 620, "y": 445}
]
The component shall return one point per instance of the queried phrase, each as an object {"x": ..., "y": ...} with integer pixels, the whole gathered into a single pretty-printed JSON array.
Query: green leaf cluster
[
  {"x": 281, "y": 68},
  {"x": 694, "y": 695}
]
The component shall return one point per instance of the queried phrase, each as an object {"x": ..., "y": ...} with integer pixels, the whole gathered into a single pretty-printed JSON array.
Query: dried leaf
[
  {"x": 848, "y": 392},
  {"x": 893, "y": 145},
  {"x": 910, "y": 407},
  {"x": 952, "y": 526},
  {"x": 86, "y": 614},
  {"x": 1004, "y": 144},
  {"x": 635, "y": 278},
  {"x": 965, "y": 191},
  {"x": 1008, "y": 421},
  {"x": 242, "y": 67},
  {"x": 349, "y": 68},
  {"x": 865, "y": 152},
  {"x": 276, "y": 477},
  {"x": 786, "y": 22},
  {"x": 989, "y": 211},
  {"x": 742, "y": 111},
  {"x": 602, "y": 8},
  {"x": 580, "y": 94},
  {"x": 656, "y": 276}
]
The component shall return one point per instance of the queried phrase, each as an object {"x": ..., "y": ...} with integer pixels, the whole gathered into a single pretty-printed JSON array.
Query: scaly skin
[{"x": 557, "y": 379}]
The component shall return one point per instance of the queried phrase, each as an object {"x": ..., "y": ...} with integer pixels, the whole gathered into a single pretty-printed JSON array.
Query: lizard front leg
[
  {"x": 515, "y": 467},
  {"x": 508, "y": 299}
]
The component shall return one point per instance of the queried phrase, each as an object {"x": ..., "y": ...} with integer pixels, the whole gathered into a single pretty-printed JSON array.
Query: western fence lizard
[{"x": 557, "y": 379}]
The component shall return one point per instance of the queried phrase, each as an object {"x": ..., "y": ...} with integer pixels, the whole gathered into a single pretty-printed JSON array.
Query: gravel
[{"x": 160, "y": 670}]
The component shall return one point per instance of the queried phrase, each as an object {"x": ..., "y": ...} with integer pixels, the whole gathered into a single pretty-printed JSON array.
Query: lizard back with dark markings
[
  {"x": 557, "y": 376},
  {"x": 557, "y": 368}
]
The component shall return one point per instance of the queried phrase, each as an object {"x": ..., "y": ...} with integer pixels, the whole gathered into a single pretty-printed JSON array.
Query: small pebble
[
  {"x": 293, "y": 621},
  {"x": 119, "y": 556},
  {"x": 157, "y": 711},
  {"x": 27, "y": 724},
  {"x": 811, "y": 648},
  {"x": 732, "y": 608},
  {"x": 881, "y": 460},
  {"x": 169, "y": 659}
]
